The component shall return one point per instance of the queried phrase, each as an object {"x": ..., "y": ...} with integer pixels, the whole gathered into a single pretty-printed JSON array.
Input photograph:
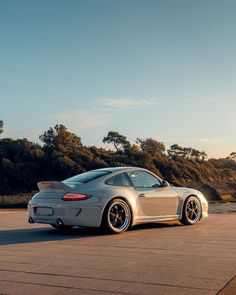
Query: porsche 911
[{"x": 115, "y": 199}]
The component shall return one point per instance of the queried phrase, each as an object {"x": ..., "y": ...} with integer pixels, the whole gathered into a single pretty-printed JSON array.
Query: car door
[{"x": 154, "y": 198}]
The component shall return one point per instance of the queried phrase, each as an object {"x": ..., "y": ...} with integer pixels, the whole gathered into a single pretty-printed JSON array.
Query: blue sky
[{"x": 162, "y": 69}]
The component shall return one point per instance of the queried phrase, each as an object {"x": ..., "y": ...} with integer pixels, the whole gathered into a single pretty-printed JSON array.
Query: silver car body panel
[{"x": 146, "y": 204}]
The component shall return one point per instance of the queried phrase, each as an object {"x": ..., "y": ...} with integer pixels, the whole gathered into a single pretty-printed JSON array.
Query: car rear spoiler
[{"x": 53, "y": 185}]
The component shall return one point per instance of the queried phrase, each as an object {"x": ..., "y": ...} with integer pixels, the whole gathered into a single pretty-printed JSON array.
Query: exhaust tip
[
  {"x": 30, "y": 220},
  {"x": 60, "y": 222}
]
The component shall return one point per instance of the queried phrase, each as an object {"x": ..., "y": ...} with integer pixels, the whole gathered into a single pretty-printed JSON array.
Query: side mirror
[{"x": 165, "y": 183}]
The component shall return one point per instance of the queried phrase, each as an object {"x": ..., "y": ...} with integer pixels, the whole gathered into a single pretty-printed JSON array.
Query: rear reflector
[{"x": 76, "y": 197}]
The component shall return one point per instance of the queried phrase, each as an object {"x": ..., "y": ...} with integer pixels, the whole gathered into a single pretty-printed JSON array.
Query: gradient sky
[{"x": 162, "y": 69}]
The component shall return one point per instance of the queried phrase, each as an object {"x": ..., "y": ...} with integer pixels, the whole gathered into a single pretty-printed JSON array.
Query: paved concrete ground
[{"x": 154, "y": 259}]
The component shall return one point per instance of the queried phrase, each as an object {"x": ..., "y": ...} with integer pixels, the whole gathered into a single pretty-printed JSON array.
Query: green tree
[
  {"x": 20, "y": 165},
  {"x": 64, "y": 153},
  {"x": 232, "y": 156},
  {"x": 175, "y": 150},
  {"x": 119, "y": 141},
  {"x": 151, "y": 146},
  {"x": 186, "y": 152},
  {"x": 60, "y": 138}
]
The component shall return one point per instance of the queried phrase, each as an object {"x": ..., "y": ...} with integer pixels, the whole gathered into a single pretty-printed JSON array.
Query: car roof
[{"x": 118, "y": 169}]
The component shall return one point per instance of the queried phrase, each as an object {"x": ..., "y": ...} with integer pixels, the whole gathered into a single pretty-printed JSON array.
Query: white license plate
[{"x": 44, "y": 211}]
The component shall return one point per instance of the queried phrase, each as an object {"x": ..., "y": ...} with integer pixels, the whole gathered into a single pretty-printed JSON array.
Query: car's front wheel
[
  {"x": 117, "y": 216},
  {"x": 192, "y": 211}
]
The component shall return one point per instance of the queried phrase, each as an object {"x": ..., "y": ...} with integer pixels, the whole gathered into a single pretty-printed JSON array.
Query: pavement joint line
[
  {"x": 31, "y": 263},
  {"x": 167, "y": 250},
  {"x": 222, "y": 289},
  {"x": 74, "y": 259},
  {"x": 64, "y": 287},
  {"x": 102, "y": 279},
  {"x": 215, "y": 257},
  {"x": 92, "y": 268},
  {"x": 97, "y": 247}
]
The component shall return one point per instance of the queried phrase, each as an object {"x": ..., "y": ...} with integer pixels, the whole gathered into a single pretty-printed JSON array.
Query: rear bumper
[{"x": 68, "y": 214}]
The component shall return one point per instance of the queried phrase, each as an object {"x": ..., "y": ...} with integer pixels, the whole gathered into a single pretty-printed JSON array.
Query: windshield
[{"x": 87, "y": 176}]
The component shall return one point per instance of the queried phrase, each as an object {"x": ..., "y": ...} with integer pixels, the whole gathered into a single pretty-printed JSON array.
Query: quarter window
[
  {"x": 144, "y": 179},
  {"x": 119, "y": 180}
]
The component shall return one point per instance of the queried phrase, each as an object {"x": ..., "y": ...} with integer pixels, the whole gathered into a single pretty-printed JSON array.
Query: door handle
[{"x": 142, "y": 195}]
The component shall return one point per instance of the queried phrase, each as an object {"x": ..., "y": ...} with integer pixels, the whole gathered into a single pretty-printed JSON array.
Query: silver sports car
[{"x": 116, "y": 199}]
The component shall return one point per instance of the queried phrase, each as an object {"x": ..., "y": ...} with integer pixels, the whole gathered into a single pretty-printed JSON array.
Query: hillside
[{"x": 24, "y": 163}]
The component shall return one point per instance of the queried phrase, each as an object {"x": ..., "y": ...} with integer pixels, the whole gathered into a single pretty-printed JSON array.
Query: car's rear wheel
[
  {"x": 192, "y": 211},
  {"x": 117, "y": 216}
]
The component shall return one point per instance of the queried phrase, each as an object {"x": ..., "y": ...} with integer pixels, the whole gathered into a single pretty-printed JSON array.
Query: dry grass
[
  {"x": 228, "y": 198},
  {"x": 15, "y": 201}
]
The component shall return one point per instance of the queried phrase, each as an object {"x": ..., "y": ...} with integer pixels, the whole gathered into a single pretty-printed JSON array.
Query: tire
[
  {"x": 117, "y": 217},
  {"x": 62, "y": 227},
  {"x": 192, "y": 211}
]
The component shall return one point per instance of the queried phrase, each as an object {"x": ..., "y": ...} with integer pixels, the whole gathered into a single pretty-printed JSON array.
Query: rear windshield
[{"x": 87, "y": 176}]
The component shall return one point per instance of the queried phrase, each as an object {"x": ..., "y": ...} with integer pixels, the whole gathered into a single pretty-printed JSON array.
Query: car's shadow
[{"x": 35, "y": 235}]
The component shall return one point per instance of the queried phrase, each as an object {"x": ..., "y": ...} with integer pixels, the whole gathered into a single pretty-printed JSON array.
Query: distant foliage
[
  {"x": 23, "y": 163},
  {"x": 119, "y": 141},
  {"x": 20, "y": 165},
  {"x": 186, "y": 152},
  {"x": 1, "y": 126},
  {"x": 232, "y": 156},
  {"x": 151, "y": 146}
]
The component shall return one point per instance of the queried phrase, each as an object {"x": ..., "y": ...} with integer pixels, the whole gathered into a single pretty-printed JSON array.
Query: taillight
[
  {"x": 47, "y": 182},
  {"x": 76, "y": 197}
]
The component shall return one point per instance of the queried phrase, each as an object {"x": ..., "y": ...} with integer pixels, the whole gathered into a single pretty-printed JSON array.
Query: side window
[
  {"x": 144, "y": 179},
  {"x": 119, "y": 180}
]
